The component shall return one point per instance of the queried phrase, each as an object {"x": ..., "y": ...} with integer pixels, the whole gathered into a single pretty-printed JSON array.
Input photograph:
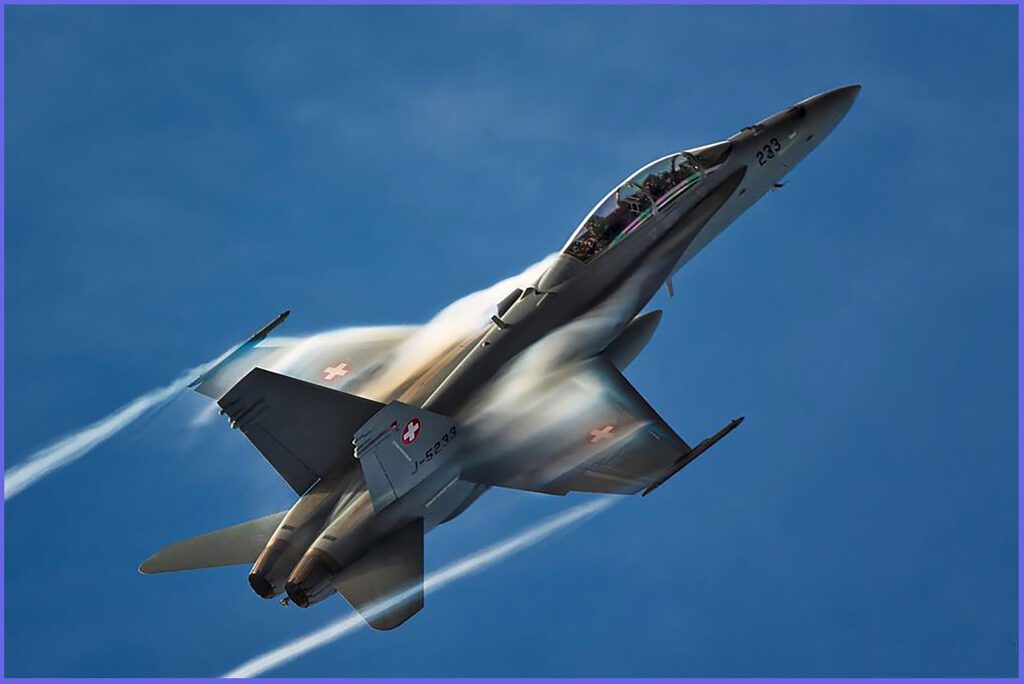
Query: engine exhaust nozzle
[{"x": 310, "y": 582}]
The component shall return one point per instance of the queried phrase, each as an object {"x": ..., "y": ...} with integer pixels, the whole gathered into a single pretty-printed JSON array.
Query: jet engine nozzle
[
  {"x": 300, "y": 527},
  {"x": 310, "y": 582},
  {"x": 262, "y": 586},
  {"x": 269, "y": 572}
]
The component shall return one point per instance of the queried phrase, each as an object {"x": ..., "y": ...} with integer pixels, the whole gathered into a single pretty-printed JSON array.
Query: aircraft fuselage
[{"x": 625, "y": 250}]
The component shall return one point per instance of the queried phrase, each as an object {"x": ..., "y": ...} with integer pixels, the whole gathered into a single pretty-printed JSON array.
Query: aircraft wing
[
  {"x": 340, "y": 359},
  {"x": 303, "y": 430},
  {"x": 586, "y": 430}
]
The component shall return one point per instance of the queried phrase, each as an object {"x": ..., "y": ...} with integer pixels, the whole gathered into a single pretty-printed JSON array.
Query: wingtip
[{"x": 262, "y": 333}]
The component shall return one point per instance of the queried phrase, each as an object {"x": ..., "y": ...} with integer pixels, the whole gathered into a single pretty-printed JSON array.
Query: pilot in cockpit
[
  {"x": 600, "y": 231},
  {"x": 647, "y": 191}
]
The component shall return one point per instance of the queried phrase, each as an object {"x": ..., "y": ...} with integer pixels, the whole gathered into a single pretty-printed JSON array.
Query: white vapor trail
[
  {"x": 451, "y": 324},
  {"x": 474, "y": 562},
  {"x": 20, "y": 477}
]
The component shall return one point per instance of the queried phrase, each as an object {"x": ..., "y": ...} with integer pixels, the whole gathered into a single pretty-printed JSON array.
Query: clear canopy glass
[{"x": 633, "y": 203}]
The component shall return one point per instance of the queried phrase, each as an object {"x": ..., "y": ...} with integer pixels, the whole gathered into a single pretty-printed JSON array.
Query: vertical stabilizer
[{"x": 400, "y": 447}]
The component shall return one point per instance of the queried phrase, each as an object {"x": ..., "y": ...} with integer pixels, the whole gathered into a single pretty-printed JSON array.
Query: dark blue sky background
[{"x": 177, "y": 176}]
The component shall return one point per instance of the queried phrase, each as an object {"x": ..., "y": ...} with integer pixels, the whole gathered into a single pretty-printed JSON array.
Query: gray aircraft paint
[{"x": 546, "y": 370}]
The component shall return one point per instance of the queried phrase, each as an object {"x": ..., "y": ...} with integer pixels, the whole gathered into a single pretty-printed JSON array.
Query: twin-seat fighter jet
[{"x": 533, "y": 400}]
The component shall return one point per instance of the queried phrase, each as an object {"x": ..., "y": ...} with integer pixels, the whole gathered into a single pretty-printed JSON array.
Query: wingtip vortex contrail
[
  {"x": 68, "y": 449},
  {"x": 76, "y": 445}
]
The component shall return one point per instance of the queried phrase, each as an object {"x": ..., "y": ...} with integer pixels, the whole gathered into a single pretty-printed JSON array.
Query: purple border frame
[
  {"x": 1020, "y": 286},
  {"x": 505, "y": 2},
  {"x": 3, "y": 336}
]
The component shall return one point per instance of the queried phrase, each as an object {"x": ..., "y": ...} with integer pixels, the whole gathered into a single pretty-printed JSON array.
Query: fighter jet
[{"x": 534, "y": 399}]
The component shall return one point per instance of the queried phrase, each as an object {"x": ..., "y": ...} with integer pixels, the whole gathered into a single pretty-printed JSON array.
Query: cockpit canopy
[{"x": 633, "y": 203}]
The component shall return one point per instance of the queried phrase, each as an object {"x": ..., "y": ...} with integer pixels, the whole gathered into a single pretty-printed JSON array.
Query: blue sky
[{"x": 177, "y": 176}]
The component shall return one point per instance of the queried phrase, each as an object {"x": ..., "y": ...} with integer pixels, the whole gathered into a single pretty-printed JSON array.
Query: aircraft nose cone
[
  {"x": 854, "y": 89},
  {"x": 840, "y": 98},
  {"x": 831, "y": 106}
]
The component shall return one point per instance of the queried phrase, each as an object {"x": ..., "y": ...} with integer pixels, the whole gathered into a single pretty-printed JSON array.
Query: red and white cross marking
[
  {"x": 604, "y": 433},
  {"x": 411, "y": 431},
  {"x": 332, "y": 373}
]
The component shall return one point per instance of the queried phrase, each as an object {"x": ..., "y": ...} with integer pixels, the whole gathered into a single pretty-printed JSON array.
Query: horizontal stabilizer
[
  {"x": 386, "y": 585},
  {"x": 303, "y": 430},
  {"x": 236, "y": 545}
]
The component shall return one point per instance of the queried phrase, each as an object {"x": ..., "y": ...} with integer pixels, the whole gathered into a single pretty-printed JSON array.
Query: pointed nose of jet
[
  {"x": 811, "y": 119},
  {"x": 774, "y": 146},
  {"x": 827, "y": 109}
]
